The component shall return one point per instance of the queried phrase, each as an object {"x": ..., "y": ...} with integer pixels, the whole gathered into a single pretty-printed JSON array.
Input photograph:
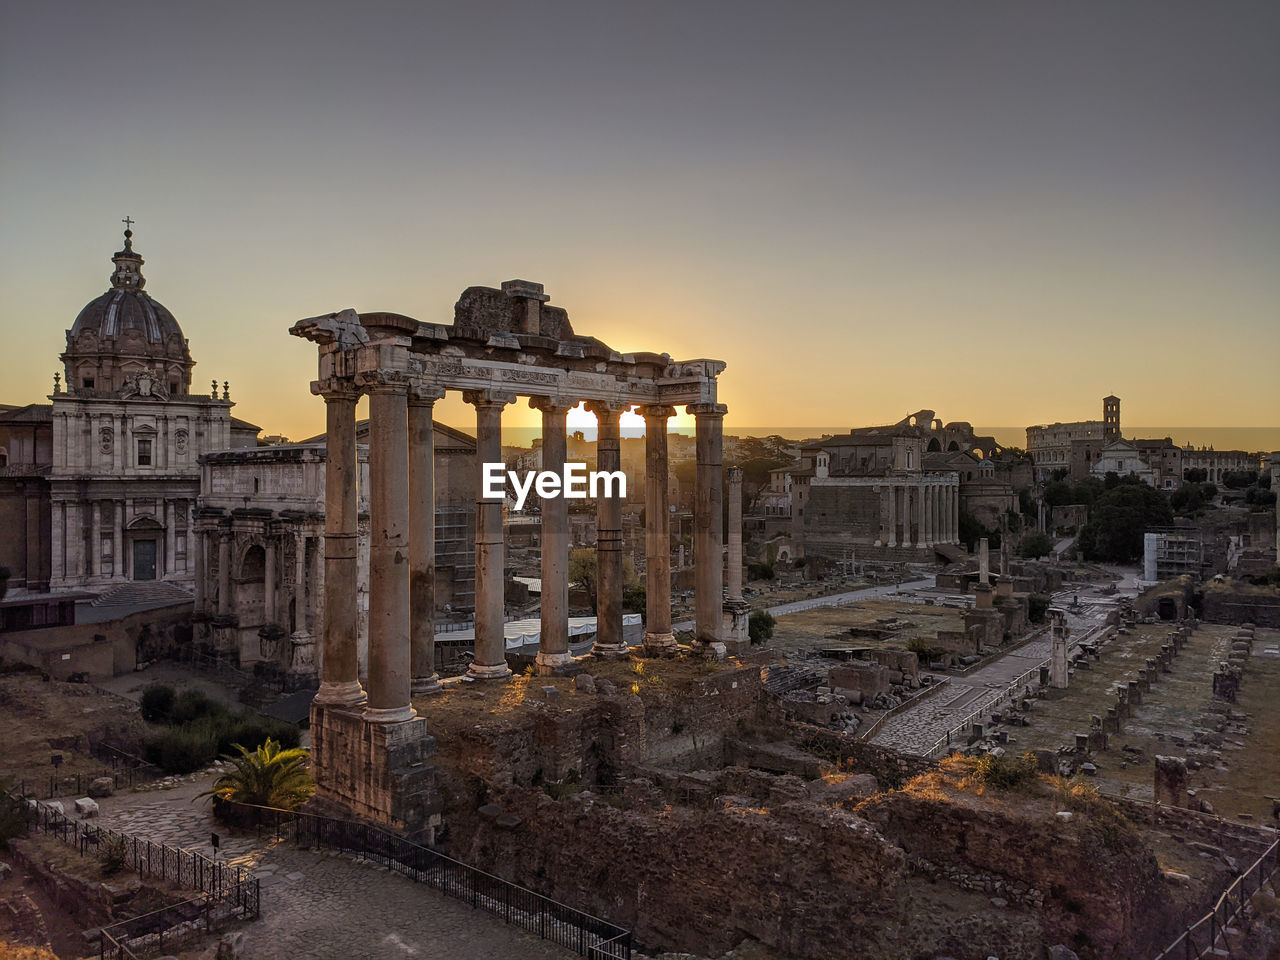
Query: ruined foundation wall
[
  {"x": 817, "y": 879},
  {"x": 1094, "y": 876}
]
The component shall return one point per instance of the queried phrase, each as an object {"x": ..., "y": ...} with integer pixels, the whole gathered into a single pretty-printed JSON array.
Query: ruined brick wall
[
  {"x": 1098, "y": 882},
  {"x": 1224, "y": 608},
  {"x": 816, "y": 880}
]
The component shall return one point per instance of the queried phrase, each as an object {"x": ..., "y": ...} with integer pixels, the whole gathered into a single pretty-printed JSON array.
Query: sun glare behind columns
[{"x": 580, "y": 418}]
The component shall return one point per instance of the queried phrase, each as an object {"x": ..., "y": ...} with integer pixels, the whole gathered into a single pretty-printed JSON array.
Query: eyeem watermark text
[{"x": 574, "y": 484}]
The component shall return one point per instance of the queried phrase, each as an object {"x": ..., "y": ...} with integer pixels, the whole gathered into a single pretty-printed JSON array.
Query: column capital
[
  {"x": 424, "y": 394},
  {"x": 657, "y": 411},
  {"x": 735, "y": 474},
  {"x": 383, "y": 381},
  {"x": 609, "y": 408},
  {"x": 552, "y": 405},
  {"x": 701, "y": 410},
  {"x": 488, "y": 398},
  {"x": 336, "y": 388}
]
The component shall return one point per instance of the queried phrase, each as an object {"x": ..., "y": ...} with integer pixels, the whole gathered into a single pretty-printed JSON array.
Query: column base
[
  {"x": 482, "y": 671},
  {"x": 660, "y": 645},
  {"x": 557, "y": 664},
  {"x": 378, "y": 771},
  {"x": 710, "y": 650},
  {"x": 610, "y": 651},
  {"x": 389, "y": 714},
  {"x": 425, "y": 686},
  {"x": 348, "y": 693}
]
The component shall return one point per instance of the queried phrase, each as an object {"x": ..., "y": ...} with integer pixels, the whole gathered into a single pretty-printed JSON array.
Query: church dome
[
  {"x": 126, "y": 332},
  {"x": 118, "y": 311}
]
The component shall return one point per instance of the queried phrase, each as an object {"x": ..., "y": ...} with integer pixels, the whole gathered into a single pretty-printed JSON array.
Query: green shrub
[
  {"x": 193, "y": 745},
  {"x": 1038, "y": 606},
  {"x": 14, "y": 815},
  {"x": 113, "y": 854},
  {"x": 760, "y": 626},
  {"x": 157, "y": 703},
  {"x": 191, "y": 705}
]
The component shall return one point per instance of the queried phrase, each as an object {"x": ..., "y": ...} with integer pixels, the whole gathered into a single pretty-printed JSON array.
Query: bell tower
[{"x": 1111, "y": 418}]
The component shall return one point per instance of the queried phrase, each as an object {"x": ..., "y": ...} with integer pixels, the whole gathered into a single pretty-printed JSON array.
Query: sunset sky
[{"x": 998, "y": 210}]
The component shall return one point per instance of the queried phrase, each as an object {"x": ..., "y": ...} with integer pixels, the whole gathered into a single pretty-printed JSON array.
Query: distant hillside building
[
  {"x": 871, "y": 494},
  {"x": 1073, "y": 447},
  {"x": 1124, "y": 460}
]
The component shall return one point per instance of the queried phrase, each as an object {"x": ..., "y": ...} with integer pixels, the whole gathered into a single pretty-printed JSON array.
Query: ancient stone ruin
[{"x": 369, "y": 748}]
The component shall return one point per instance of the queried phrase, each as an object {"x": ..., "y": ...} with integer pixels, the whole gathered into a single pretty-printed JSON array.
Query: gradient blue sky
[{"x": 1001, "y": 211}]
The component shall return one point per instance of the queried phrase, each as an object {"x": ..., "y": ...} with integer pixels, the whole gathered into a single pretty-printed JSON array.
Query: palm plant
[{"x": 267, "y": 777}]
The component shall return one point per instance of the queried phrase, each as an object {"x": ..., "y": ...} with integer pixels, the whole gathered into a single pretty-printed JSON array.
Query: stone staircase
[{"x": 138, "y": 592}]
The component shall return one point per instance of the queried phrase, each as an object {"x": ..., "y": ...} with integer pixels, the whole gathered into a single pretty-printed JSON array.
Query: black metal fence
[
  {"x": 77, "y": 784},
  {"x": 1206, "y": 935},
  {"x": 588, "y": 936},
  {"x": 165, "y": 930},
  {"x": 227, "y": 889}
]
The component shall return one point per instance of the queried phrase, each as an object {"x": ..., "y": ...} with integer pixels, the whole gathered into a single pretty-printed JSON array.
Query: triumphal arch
[{"x": 369, "y": 748}]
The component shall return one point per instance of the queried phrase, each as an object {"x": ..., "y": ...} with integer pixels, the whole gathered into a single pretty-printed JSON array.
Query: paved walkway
[
  {"x": 319, "y": 905},
  {"x": 832, "y": 600},
  {"x": 915, "y": 731}
]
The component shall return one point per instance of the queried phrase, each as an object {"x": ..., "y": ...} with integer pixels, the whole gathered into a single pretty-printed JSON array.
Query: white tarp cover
[{"x": 521, "y": 633}]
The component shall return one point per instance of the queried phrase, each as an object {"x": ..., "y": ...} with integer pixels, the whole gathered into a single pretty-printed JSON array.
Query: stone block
[
  {"x": 869, "y": 679},
  {"x": 102, "y": 787},
  {"x": 1171, "y": 781},
  {"x": 86, "y": 807}
]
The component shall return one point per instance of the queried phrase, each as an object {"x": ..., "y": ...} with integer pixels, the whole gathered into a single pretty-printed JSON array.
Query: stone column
[
  {"x": 984, "y": 560},
  {"x": 736, "y": 633},
  {"x": 609, "y": 639},
  {"x": 269, "y": 589},
  {"x": 707, "y": 520},
  {"x": 170, "y": 538},
  {"x": 490, "y": 661},
  {"x": 201, "y": 561},
  {"x": 926, "y": 506},
  {"x": 1058, "y": 665},
  {"x": 95, "y": 538},
  {"x": 733, "y": 579},
  {"x": 58, "y": 530},
  {"x": 339, "y": 668},
  {"x": 224, "y": 570},
  {"x": 553, "y": 646},
  {"x": 117, "y": 539},
  {"x": 906, "y": 515},
  {"x": 893, "y": 516},
  {"x": 953, "y": 513},
  {"x": 658, "y": 638},
  {"x": 300, "y": 605},
  {"x": 422, "y": 540},
  {"x": 389, "y": 654},
  {"x": 190, "y": 536}
]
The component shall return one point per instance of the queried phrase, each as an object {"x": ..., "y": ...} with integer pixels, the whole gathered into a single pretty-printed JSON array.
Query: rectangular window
[{"x": 144, "y": 453}]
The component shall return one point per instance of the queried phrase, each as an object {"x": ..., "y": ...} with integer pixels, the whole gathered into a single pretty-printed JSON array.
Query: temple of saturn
[{"x": 369, "y": 747}]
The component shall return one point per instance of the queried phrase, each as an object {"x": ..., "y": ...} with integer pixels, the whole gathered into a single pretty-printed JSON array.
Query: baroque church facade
[{"x": 127, "y": 437}]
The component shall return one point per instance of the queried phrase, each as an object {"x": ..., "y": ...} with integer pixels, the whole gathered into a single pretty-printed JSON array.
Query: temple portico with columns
[{"x": 369, "y": 748}]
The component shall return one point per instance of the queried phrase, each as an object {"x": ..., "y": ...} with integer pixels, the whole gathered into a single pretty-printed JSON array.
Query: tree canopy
[{"x": 1118, "y": 520}]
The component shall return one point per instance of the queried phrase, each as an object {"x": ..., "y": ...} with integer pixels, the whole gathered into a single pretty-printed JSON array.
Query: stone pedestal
[
  {"x": 737, "y": 636},
  {"x": 375, "y": 771}
]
